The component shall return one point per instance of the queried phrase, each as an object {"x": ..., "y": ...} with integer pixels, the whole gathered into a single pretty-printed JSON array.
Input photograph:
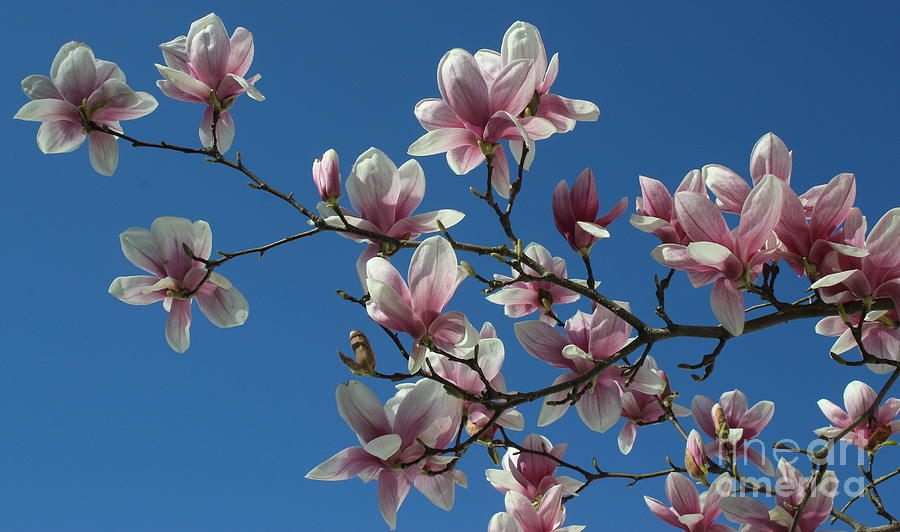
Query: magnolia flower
[
  {"x": 690, "y": 511},
  {"x": 532, "y": 474},
  {"x": 790, "y": 490},
  {"x": 417, "y": 308},
  {"x": 208, "y": 67},
  {"x": 733, "y": 425},
  {"x": 82, "y": 89},
  {"x": 522, "y": 516},
  {"x": 880, "y": 336},
  {"x": 871, "y": 432},
  {"x": 383, "y": 198},
  {"x": 715, "y": 254},
  {"x": 524, "y": 297},
  {"x": 655, "y": 208},
  {"x": 419, "y": 414},
  {"x": 808, "y": 242},
  {"x": 589, "y": 339},
  {"x": 523, "y": 41},
  {"x": 642, "y": 408},
  {"x": 575, "y": 212},
  {"x": 480, "y": 105},
  {"x": 876, "y": 275},
  {"x": 490, "y": 356},
  {"x": 769, "y": 156},
  {"x": 326, "y": 175},
  {"x": 177, "y": 278}
]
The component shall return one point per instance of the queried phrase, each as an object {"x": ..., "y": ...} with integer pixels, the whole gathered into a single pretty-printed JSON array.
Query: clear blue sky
[{"x": 105, "y": 428}]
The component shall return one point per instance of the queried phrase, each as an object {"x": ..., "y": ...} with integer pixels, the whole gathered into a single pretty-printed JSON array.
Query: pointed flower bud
[
  {"x": 362, "y": 350},
  {"x": 326, "y": 175},
  {"x": 694, "y": 457},
  {"x": 721, "y": 423}
]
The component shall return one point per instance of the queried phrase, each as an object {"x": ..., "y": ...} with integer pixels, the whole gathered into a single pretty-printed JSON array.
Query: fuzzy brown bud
[{"x": 720, "y": 422}]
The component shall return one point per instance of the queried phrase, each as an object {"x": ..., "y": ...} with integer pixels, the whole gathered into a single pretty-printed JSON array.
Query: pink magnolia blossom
[
  {"x": 691, "y": 511},
  {"x": 809, "y": 234},
  {"x": 695, "y": 456},
  {"x": 490, "y": 355},
  {"x": 417, "y": 308},
  {"x": 327, "y": 177},
  {"x": 524, "y": 297},
  {"x": 419, "y": 414},
  {"x": 532, "y": 474},
  {"x": 206, "y": 66},
  {"x": 656, "y": 209},
  {"x": 743, "y": 425},
  {"x": 160, "y": 251},
  {"x": 480, "y": 105},
  {"x": 522, "y": 516},
  {"x": 731, "y": 260},
  {"x": 858, "y": 397},
  {"x": 790, "y": 488},
  {"x": 82, "y": 89},
  {"x": 575, "y": 212},
  {"x": 880, "y": 336},
  {"x": 642, "y": 408},
  {"x": 589, "y": 340},
  {"x": 769, "y": 156},
  {"x": 523, "y": 41},
  {"x": 876, "y": 275},
  {"x": 383, "y": 198}
]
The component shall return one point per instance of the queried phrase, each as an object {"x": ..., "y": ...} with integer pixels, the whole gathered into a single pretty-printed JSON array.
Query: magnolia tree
[{"x": 494, "y": 109}]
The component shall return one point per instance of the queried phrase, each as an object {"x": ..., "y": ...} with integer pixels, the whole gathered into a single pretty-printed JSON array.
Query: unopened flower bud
[
  {"x": 720, "y": 423},
  {"x": 667, "y": 390},
  {"x": 879, "y": 436},
  {"x": 326, "y": 175},
  {"x": 695, "y": 457},
  {"x": 362, "y": 350}
]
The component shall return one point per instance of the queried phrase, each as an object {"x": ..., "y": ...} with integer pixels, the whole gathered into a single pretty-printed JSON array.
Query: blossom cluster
[{"x": 455, "y": 395}]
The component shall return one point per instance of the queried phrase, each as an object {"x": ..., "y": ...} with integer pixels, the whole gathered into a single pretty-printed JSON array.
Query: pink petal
[
  {"x": 177, "y": 326},
  {"x": 523, "y": 41},
  {"x": 76, "y": 77},
  {"x": 730, "y": 189},
  {"x": 39, "y": 87},
  {"x": 224, "y": 130},
  {"x": 834, "y": 413},
  {"x": 145, "y": 106},
  {"x": 393, "y": 486},
  {"x": 223, "y": 307},
  {"x": 346, "y": 464},
  {"x": 833, "y": 205},
  {"x": 757, "y": 418},
  {"x": 362, "y": 411},
  {"x": 419, "y": 409},
  {"x": 551, "y": 412},
  {"x": 519, "y": 506},
  {"x": 48, "y": 110},
  {"x": 513, "y": 88},
  {"x": 682, "y": 493},
  {"x": 662, "y": 511},
  {"x": 701, "y": 220},
  {"x": 463, "y": 87},
  {"x": 734, "y": 404},
  {"x": 434, "y": 113},
  {"x": 500, "y": 173},
  {"x": 627, "y": 436},
  {"x": 374, "y": 188},
  {"x": 555, "y": 108},
  {"x": 701, "y": 408},
  {"x": 746, "y": 510},
  {"x": 858, "y": 397},
  {"x": 60, "y": 136},
  {"x": 131, "y": 290},
  {"x": 432, "y": 277},
  {"x": 183, "y": 83},
  {"x": 208, "y": 49},
  {"x": 439, "y": 489},
  {"x": 240, "y": 55},
  {"x": 761, "y": 212},
  {"x": 412, "y": 188},
  {"x": 104, "y": 152},
  {"x": 464, "y": 159},
  {"x": 727, "y": 304},
  {"x": 882, "y": 241},
  {"x": 388, "y": 308},
  {"x": 600, "y": 408},
  {"x": 425, "y": 223},
  {"x": 442, "y": 140},
  {"x": 542, "y": 341},
  {"x": 657, "y": 202},
  {"x": 770, "y": 156}
]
